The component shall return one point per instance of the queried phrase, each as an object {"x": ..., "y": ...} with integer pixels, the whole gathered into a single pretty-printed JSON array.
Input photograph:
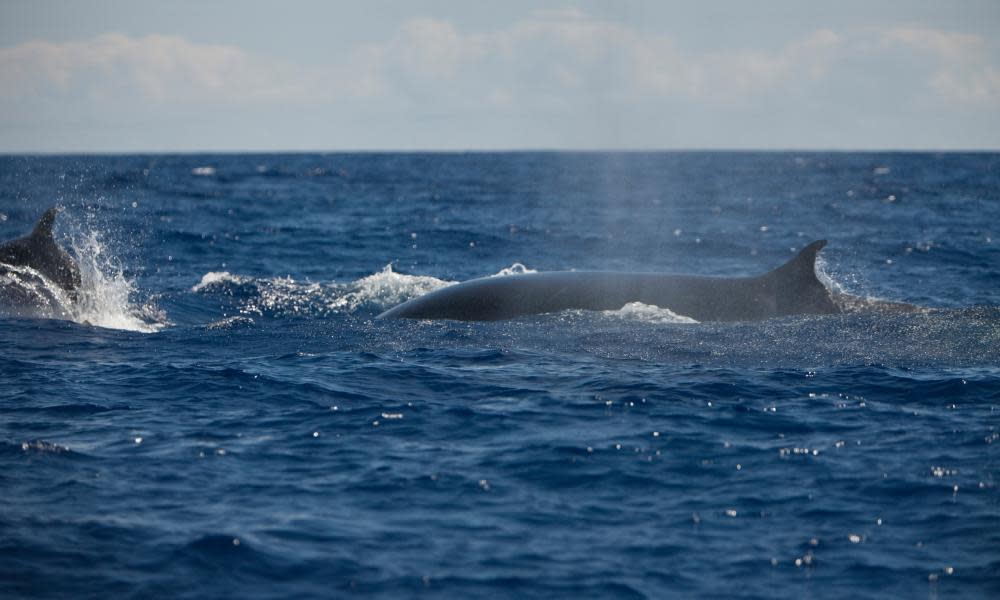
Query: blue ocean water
[{"x": 221, "y": 416}]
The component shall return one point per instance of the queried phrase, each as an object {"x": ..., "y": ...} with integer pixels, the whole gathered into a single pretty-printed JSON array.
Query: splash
[
  {"x": 825, "y": 278},
  {"x": 107, "y": 297}
]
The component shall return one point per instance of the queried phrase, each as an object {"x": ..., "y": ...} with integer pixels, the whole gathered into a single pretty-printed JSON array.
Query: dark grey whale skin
[
  {"x": 40, "y": 251},
  {"x": 791, "y": 289}
]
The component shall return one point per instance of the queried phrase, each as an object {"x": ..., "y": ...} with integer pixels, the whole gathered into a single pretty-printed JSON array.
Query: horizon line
[{"x": 718, "y": 150}]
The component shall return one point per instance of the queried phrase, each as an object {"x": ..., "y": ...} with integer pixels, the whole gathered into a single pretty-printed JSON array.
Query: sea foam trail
[{"x": 284, "y": 296}]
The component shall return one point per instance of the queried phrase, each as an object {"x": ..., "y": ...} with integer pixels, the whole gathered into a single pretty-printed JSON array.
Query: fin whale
[
  {"x": 790, "y": 289},
  {"x": 39, "y": 251}
]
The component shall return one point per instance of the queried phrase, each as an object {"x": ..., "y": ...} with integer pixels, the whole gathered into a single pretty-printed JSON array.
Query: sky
[{"x": 227, "y": 75}]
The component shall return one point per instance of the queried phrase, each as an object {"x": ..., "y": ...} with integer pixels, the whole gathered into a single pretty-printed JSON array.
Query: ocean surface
[{"x": 221, "y": 415}]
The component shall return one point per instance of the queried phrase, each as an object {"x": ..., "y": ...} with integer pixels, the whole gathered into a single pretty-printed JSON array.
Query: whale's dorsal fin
[
  {"x": 40, "y": 251},
  {"x": 804, "y": 263},
  {"x": 797, "y": 288},
  {"x": 43, "y": 230}
]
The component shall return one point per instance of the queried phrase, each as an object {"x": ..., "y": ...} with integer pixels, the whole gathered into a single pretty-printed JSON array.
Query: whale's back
[{"x": 792, "y": 288}]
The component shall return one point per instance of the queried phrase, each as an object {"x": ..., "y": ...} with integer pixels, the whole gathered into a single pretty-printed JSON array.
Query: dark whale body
[
  {"x": 791, "y": 289},
  {"x": 40, "y": 252}
]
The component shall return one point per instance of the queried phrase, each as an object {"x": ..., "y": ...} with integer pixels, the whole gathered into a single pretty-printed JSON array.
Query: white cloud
[
  {"x": 551, "y": 56},
  {"x": 155, "y": 68},
  {"x": 949, "y": 45},
  {"x": 555, "y": 57},
  {"x": 960, "y": 64},
  {"x": 563, "y": 70}
]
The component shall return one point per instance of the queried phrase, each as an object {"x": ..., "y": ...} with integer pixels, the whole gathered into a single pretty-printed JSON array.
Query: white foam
[
  {"x": 203, "y": 171},
  {"x": 514, "y": 269},
  {"x": 648, "y": 313},
  {"x": 27, "y": 292},
  {"x": 215, "y": 279},
  {"x": 388, "y": 288}
]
